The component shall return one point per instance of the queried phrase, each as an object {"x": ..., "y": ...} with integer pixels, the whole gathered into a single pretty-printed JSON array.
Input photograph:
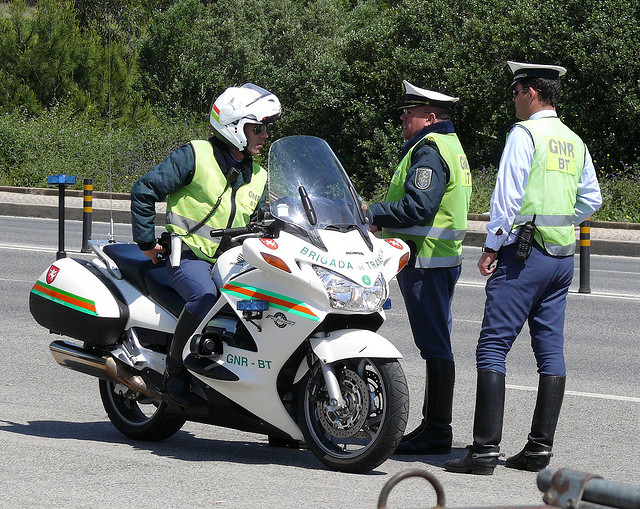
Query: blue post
[{"x": 61, "y": 181}]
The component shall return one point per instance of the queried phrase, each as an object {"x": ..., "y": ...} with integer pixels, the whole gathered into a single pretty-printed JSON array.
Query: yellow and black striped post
[
  {"x": 87, "y": 214},
  {"x": 585, "y": 252}
]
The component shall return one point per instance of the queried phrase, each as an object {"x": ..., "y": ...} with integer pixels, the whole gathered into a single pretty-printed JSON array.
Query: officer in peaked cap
[
  {"x": 415, "y": 96},
  {"x": 426, "y": 206},
  {"x": 546, "y": 185},
  {"x": 530, "y": 71}
]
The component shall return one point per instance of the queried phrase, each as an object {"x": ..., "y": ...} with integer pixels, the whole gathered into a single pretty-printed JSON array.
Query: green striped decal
[
  {"x": 276, "y": 300},
  {"x": 64, "y": 298}
]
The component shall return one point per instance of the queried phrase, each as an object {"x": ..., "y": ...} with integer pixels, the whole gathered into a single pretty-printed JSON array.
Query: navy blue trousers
[
  {"x": 192, "y": 280},
  {"x": 535, "y": 291},
  {"x": 428, "y": 294}
]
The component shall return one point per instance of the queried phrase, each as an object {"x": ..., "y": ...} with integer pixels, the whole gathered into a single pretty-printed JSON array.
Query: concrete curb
[
  {"x": 70, "y": 213},
  {"x": 594, "y": 224},
  {"x": 46, "y": 191},
  {"x": 607, "y": 238}
]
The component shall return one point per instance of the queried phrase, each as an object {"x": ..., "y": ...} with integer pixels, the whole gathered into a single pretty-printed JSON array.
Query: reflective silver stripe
[
  {"x": 185, "y": 223},
  {"x": 438, "y": 262},
  {"x": 548, "y": 220},
  {"x": 430, "y": 231},
  {"x": 556, "y": 250}
]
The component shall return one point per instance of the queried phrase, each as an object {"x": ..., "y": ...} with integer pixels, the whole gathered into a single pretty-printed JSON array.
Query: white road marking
[
  {"x": 606, "y": 295},
  {"x": 39, "y": 249},
  {"x": 577, "y": 393}
]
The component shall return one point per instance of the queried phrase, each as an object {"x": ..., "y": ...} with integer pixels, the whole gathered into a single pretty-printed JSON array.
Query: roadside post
[
  {"x": 87, "y": 215},
  {"x": 62, "y": 181},
  {"x": 585, "y": 253}
]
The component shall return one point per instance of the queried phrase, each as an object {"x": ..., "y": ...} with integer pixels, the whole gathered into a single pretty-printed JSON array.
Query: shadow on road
[
  {"x": 437, "y": 460},
  {"x": 183, "y": 445}
]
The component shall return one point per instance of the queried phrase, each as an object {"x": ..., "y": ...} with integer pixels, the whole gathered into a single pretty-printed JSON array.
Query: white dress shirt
[{"x": 513, "y": 174}]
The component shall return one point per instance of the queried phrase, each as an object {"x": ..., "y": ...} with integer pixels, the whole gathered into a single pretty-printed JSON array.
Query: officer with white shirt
[{"x": 546, "y": 185}]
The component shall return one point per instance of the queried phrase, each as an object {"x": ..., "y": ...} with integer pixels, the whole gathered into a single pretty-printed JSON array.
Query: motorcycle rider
[{"x": 208, "y": 184}]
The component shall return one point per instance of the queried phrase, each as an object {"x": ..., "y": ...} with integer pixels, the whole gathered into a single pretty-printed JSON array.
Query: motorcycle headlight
[{"x": 347, "y": 295}]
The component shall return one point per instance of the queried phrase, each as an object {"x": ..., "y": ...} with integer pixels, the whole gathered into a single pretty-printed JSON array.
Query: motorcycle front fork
[{"x": 333, "y": 387}]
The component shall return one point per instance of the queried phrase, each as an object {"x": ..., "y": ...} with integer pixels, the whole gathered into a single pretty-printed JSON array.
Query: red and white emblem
[
  {"x": 270, "y": 243},
  {"x": 394, "y": 243},
  {"x": 51, "y": 275}
]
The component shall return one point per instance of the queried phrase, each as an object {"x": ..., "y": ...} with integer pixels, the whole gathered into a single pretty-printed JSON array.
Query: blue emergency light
[
  {"x": 253, "y": 305},
  {"x": 56, "y": 180}
]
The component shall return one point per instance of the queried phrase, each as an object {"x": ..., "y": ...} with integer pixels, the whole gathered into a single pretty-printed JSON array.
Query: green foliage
[
  {"x": 484, "y": 180},
  {"x": 620, "y": 198},
  {"x": 60, "y": 141},
  {"x": 336, "y": 65},
  {"x": 46, "y": 60}
]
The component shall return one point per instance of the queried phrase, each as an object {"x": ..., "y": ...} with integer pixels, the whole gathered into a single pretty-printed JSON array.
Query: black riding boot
[
  {"x": 482, "y": 456},
  {"x": 537, "y": 453},
  {"x": 434, "y": 434},
  {"x": 175, "y": 377}
]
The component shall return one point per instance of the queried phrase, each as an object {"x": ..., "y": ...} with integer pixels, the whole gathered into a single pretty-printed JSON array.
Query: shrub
[{"x": 59, "y": 141}]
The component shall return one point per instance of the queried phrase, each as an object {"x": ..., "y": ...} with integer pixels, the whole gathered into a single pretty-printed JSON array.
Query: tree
[{"x": 46, "y": 60}]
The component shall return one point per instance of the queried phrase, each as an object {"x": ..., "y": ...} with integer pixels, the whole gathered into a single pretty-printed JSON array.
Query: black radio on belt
[
  {"x": 165, "y": 242},
  {"x": 525, "y": 240}
]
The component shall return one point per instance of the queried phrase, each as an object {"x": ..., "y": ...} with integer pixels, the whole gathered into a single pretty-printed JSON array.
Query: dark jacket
[
  {"x": 418, "y": 206},
  {"x": 170, "y": 175}
]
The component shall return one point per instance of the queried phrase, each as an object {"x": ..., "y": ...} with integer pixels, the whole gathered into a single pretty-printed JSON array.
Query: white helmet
[{"x": 238, "y": 106}]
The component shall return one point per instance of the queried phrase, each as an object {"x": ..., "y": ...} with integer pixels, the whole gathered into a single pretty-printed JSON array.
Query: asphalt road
[{"x": 58, "y": 448}]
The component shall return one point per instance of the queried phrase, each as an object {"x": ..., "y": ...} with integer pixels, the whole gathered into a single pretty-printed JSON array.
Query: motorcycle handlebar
[
  {"x": 257, "y": 227},
  {"x": 231, "y": 232}
]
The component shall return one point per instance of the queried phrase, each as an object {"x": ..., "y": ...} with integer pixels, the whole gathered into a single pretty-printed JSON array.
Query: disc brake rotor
[{"x": 346, "y": 422}]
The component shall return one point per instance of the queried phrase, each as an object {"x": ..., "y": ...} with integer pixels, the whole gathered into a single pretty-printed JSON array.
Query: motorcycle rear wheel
[
  {"x": 137, "y": 418},
  {"x": 362, "y": 436}
]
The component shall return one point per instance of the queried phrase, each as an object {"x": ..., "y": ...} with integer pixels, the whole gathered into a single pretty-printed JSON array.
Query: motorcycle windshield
[{"x": 309, "y": 188}]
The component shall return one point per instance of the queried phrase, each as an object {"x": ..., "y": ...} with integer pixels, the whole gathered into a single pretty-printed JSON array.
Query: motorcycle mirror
[{"x": 308, "y": 207}]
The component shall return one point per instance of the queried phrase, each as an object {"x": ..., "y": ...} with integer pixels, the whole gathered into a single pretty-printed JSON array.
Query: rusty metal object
[
  {"x": 564, "y": 488},
  {"x": 415, "y": 472},
  {"x": 571, "y": 489}
]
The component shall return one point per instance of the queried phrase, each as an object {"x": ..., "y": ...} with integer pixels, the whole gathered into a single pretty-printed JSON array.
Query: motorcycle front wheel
[
  {"x": 135, "y": 417},
  {"x": 366, "y": 431}
]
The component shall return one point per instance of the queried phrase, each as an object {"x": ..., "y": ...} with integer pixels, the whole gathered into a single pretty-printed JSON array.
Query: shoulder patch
[{"x": 423, "y": 178}]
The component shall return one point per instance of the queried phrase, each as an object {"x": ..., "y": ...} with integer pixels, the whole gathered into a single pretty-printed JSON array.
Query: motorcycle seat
[{"x": 151, "y": 279}]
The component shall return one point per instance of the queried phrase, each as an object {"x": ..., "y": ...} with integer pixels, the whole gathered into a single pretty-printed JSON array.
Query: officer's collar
[
  {"x": 227, "y": 161},
  {"x": 442, "y": 127}
]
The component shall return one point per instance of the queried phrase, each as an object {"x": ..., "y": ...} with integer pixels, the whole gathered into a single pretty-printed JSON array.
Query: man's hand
[
  {"x": 486, "y": 263},
  {"x": 153, "y": 253}
]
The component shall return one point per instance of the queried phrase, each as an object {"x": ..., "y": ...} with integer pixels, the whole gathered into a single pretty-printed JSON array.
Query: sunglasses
[
  {"x": 258, "y": 128},
  {"x": 411, "y": 110},
  {"x": 515, "y": 92}
]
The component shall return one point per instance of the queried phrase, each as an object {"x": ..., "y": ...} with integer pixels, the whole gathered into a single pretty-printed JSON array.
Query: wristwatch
[{"x": 486, "y": 249}]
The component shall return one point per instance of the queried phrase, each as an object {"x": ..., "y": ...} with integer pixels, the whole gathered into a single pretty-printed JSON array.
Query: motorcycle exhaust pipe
[
  {"x": 107, "y": 368},
  {"x": 121, "y": 373}
]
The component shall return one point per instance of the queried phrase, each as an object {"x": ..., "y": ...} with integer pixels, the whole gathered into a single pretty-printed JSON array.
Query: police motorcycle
[{"x": 290, "y": 348}]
